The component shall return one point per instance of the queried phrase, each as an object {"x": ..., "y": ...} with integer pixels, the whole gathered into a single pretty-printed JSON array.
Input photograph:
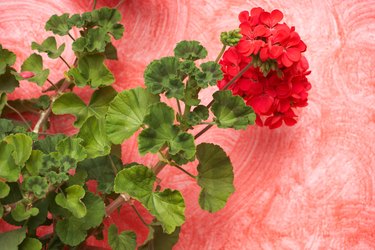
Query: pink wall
[{"x": 310, "y": 186}]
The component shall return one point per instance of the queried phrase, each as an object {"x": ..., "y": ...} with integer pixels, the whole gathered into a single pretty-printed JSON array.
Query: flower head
[{"x": 276, "y": 83}]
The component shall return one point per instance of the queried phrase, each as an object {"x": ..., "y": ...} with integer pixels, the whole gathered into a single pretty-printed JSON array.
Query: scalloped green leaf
[
  {"x": 159, "y": 240},
  {"x": 209, "y": 76},
  {"x": 72, "y": 230},
  {"x": 4, "y": 190},
  {"x": 48, "y": 144},
  {"x": 21, "y": 213},
  {"x": 22, "y": 145},
  {"x": 9, "y": 170},
  {"x": 31, "y": 244},
  {"x": 72, "y": 147},
  {"x": 12, "y": 239},
  {"x": 91, "y": 71},
  {"x": 35, "y": 162},
  {"x": 167, "y": 206},
  {"x": 8, "y": 81},
  {"x": 161, "y": 131},
  {"x": 231, "y": 111},
  {"x": 126, "y": 113},
  {"x": 70, "y": 103},
  {"x": 126, "y": 240},
  {"x": 190, "y": 50},
  {"x": 95, "y": 40},
  {"x": 191, "y": 96},
  {"x": 164, "y": 76},
  {"x": 215, "y": 177},
  {"x": 49, "y": 46},
  {"x": 58, "y": 24},
  {"x": 199, "y": 114},
  {"x": 72, "y": 200},
  {"x": 8, "y": 58},
  {"x": 101, "y": 170},
  {"x": 94, "y": 137},
  {"x": 34, "y": 63},
  {"x": 108, "y": 19},
  {"x": 37, "y": 185}
]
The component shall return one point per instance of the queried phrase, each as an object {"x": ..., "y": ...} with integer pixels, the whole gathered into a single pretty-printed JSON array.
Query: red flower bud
[{"x": 27, "y": 74}]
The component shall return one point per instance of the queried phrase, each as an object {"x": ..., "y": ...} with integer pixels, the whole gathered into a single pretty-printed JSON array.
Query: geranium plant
[{"x": 261, "y": 75}]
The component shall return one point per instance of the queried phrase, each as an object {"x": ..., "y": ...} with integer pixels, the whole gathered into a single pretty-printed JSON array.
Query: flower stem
[
  {"x": 20, "y": 115},
  {"x": 119, "y": 4},
  {"x": 94, "y": 5},
  {"x": 139, "y": 215},
  {"x": 48, "y": 80},
  {"x": 71, "y": 37},
  {"x": 186, "y": 172},
  {"x": 203, "y": 131},
  {"x": 179, "y": 106},
  {"x": 66, "y": 63},
  {"x": 118, "y": 202},
  {"x": 220, "y": 54}
]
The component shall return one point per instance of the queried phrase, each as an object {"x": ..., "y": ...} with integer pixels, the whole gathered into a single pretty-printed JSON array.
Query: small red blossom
[
  {"x": 27, "y": 74},
  {"x": 276, "y": 83}
]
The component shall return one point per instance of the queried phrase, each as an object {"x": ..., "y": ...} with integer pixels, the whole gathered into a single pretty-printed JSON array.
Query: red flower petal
[
  {"x": 286, "y": 61},
  {"x": 276, "y": 51},
  {"x": 289, "y": 121},
  {"x": 261, "y": 104},
  {"x": 243, "y": 16},
  {"x": 276, "y": 16},
  {"x": 293, "y": 54}
]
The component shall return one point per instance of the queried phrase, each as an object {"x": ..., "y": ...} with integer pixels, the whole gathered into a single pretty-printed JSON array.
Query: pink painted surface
[{"x": 310, "y": 186}]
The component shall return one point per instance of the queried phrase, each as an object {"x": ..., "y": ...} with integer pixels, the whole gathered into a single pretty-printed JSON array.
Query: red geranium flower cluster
[{"x": 276, "y": 82}]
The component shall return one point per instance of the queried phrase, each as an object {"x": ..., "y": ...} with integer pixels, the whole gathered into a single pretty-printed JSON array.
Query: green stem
[
  {"x": 112, "y": 165},
  {"x": 71, "y": 37},
  {"x": 66, "y": 63},
  {"x": 203, "y": 131},
  {"x": 179, "y": 106},
  {"x": 48, "y": 80},
  {"x": 221, "y": 53},
  {"x": 94, "y": 5},
  {"x": 139, "y": 215},
  {"x": 243, "y": 71},
  {"x": 186, "y": 172},
  {"x": 20, "y": 115}
]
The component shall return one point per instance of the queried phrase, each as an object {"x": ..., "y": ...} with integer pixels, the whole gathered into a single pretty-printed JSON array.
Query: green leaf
[
  {"x": 1, "y": 211},
  {"x": 12, "y": 239},
  {"x": 14, "y": 195},
  {"x": 8, "y": 168},
  {"x": 21, "y": 213},
  {"x": 58, "y": 24},
  {"x": 35, "y": 162},
  {"x": 72, "y": 201},
  {"x": 95, "y": 40},
  {"x": 191, "y": 97},
  {"x": 190, "y": 50},
  {"x": 37, "y": 185},
  {"x": 22, "y": 145},
  {"x": 167, "y": 206},
  {"x": 209, "y": 76},
  {"x": 8, "y": 81},
  {"x": 231, "y": 111},
  {"x": 158, "y": 240},
  {"x": 109, "y": 19},
  {"x": 215, "y": 177},
  {"x": 91, "y": 71},
  {"x": 49, "y": 46},
  {"x": 199, "y": 114},
  {"x": 34, "y": 63},
  {"x": 163, "y": 76},
  {"x": 31, "y": 244},
  {"x": 41, "y": 217},
  {"x": 4, "y": 190},
  {"x": 126, "y": 113},
  {"x": 94, "y": 137},
  {"x": 161, "y": 131},
  {"x": 101, "y": 170},
  {"x": 72, "y": 147},
  {"x": 8, "y": 58},
  {"x": 70, "y": 103},
  {"x": 48, "y": 144},
  {"x": 126, "y": 240},
  {"x": 110, "y": 52},
  {"x": 72, "y": 230}
]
